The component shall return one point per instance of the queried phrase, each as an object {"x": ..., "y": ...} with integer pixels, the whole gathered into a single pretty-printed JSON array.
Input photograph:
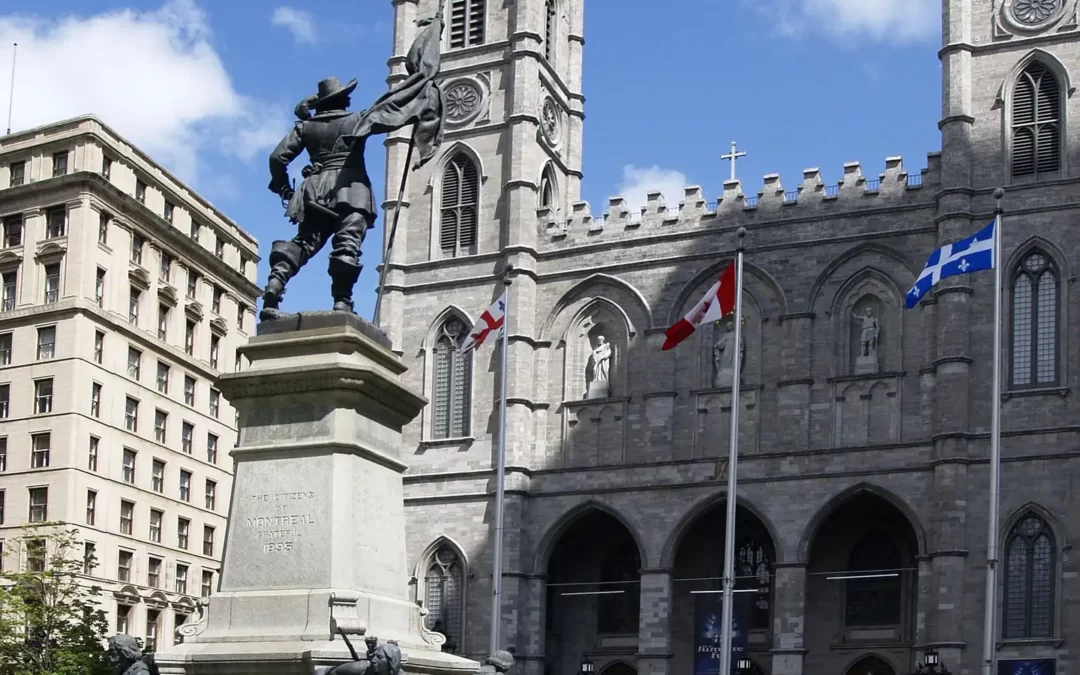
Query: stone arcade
[{"x": 864, "y": 428}]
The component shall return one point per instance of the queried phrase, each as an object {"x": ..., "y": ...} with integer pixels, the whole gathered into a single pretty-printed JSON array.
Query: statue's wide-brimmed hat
[{"x": 331, "y": 88}]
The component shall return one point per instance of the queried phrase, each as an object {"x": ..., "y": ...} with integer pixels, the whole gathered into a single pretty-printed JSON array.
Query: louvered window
[
  {"x": 459, "y": 208},
  {"x": 547, "y": 190},
  {"x": 444, "y": 583},
  {"x": 1036, "y": 122},
  {"x": 1034, "y": 322},
  {"x": 467, "y": 23},
  {"x": 1029, "y": 580},
  {"x": 550, "y": 30},
  {"x": 453, "y": 374}
]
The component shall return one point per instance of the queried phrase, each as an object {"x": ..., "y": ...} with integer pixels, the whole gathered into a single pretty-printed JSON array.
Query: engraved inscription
[{"x": 284, "y": 520}]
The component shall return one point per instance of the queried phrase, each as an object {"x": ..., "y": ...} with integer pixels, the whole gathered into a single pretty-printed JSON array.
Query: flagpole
[
  {"x": 989, "y": 639},
  {"x": 375, "y": 319},
  {"x": 733, "y": 460},
  {"x": 500, "y": 477}
]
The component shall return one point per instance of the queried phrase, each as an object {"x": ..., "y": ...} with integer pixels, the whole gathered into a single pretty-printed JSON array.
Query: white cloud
[
  {"x": 637, "y": 182},
  {"x": 296, "y": 21},
  {"x": 153, "y": 76},
  {"x": 880, "y": 20}
]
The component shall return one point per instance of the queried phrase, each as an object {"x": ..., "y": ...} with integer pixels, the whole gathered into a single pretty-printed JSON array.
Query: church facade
[{"x": 864, "y": 427}]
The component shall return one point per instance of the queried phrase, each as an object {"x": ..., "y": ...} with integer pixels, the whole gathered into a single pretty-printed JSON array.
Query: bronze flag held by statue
[{"x": 334, "y": 201}]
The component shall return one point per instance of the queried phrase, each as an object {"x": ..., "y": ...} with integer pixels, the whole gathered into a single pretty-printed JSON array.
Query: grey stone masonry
[{"x": 849, "y": 440}]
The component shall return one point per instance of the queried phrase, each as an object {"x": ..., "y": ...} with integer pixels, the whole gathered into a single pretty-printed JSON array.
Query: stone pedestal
[
  {"x": 865, "y": 365},
  {"x": 597, "y": 390},
  {"x": 316, "y": 535}
]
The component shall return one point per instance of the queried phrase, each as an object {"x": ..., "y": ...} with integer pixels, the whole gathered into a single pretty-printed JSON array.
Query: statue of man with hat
[{"x": 334, "y": 201}]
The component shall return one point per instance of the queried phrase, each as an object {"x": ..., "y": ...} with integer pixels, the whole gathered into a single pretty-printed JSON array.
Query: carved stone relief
[
  {"x": 595, "y": 433},
  {"x": 866, "y": 410},
  {"x": 1027, "y": 17}
]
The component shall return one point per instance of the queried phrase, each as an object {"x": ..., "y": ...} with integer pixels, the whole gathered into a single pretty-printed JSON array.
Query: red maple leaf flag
[{"x": 717, "y": 303}]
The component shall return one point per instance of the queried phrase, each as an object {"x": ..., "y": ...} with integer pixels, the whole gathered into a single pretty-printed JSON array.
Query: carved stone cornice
[
  {"x": 139, "y": 276},
  {"x": 167, "y": 295},
  {"x": 194, "y": 310},
  {"x": 11, "y": 258},
  {"x": 218, "y": 326},
  {"x": 51, "y": 250}
]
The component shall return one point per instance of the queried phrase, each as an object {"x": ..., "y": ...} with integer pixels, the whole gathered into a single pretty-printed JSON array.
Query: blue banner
[
  {"x": 708, "y": 619},
  {"x": 1027, "y": 667}
]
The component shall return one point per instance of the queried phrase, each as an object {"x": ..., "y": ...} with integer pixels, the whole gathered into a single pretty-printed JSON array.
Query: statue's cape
[{"x": 415, "y": 100}]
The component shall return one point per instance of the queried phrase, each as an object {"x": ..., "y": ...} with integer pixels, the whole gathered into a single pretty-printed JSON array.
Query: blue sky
[{"x": 208, "y": 88}]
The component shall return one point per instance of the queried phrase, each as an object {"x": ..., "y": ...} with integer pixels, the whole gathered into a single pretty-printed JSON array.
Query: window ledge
[
  {"x": 446, "y": 442},
  {"x": 1041, "y": 391},
  {"x": 1030, "y": 642}
]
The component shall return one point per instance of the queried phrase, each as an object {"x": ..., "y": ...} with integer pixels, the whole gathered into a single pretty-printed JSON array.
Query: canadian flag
[
  {"x": 490, "y": 321},
  {"x": 718, "y": 302}
]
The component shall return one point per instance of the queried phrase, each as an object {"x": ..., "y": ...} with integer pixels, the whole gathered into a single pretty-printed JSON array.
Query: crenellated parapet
[{"x": 811, "y": 198}]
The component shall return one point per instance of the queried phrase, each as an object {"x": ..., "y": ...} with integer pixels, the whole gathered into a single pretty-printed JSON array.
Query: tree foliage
[{"x": 51, "y": 622}]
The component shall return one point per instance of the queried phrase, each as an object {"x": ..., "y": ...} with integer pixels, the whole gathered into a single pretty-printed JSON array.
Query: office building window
[
  {"x": 95, "y": 399},
  {"x": 56, "y": 222},
  {"x": 219, "y": 293},
  {"x": 3, "y": 454},
  {"x": 155, "y": 525},
  {"x": 133, "y": 306},
  {"x": 5, "y": 400},
  {"x": 89, "y": 558},
  {"x": 189, "y": 338},
  {"x": 187, "y": 434},
  {"x": 211, "y": 448},
  {"x": 185, "y": 486},
  {"x": 153, "y": 572},
  {"x": 99, "y": 288},
  {"x": 157, "y": 476},
  {"x": 181, "y": 578},
  {"x": 18, "y": 174},
  {"x": 165, "y": 271},
  {"x": 91, "y": 507},
  {"x": 215, "y": 349},
  {"x": 128, "y": 466},
  {"x": 153, "y": 627},
  {"x": 11, "y": 286},
  {"x": 99, "y": 346},
  {"x": 13, "y": 231},
  {"x": 3, "y": 505},
  {"x": 163, "y": 322},
  {"x": 183, "y": 527},
  {"x": 189, "y": 390},
  {"x": 41, "y": 449},
  {"x": 39, "y": 504},
  {"x": 52, "y": 283},
  {"x": 103, "y": 229},
  {"x": 140, "y": 191},
  {"x": 123, "y": 565},
  {"x": 136, "y": 248},
  {"x": 215, "y": 402},
  {"x": 60, "y": 164},
  {"x": 46, "y": 343},
  {"x": 219, "y": 248},
  {"x": 5, "y": 349},
  {"x": 122, "y": 614},
  {"x": 208, "y": 541},
  {"x": 127, "y": 517},
  {"x": 43, "y": 396},
  {"x": 211, "y": 494},
  {"x": 106, "y": 167},
  {"x": 163, "y": 377},
  {"x": 207, "y": 583},
  {"x": 134, "y": 364},
  {"x": 92, "y": 453},
  {"x": 194, "y": 229},
  {"x": 167, "y": 213},
  {"x": 192, "y": 284},
  {"x": 161, "y": 423},
  {"x": 131, "y": 415}
]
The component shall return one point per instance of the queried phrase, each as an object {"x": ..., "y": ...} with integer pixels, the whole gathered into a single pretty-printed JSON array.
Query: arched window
[
  {"x": 1036, "y": 122},
  {"x": 1029, "y": 580},
  {"x": 874, "y": 600},
  {"x": 467, "y": 18},
  {"x": 453, "y": 376},
  {"x": 1034, "y": 322},
  {"x": 550, "y": 28},
  {"x": 754, "y": 570},
  {"x": 547, "y": 189},
  {"x": 617, "y": 613},
  {"x": 444, "y": 583},
  {"x": 460, "y": 206}
]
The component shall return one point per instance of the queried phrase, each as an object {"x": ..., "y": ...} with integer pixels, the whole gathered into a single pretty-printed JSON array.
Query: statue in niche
[
  {"x": 599, "y": 370},
  {"x": 724, "y": 356},
  {"x": 867, "y": 360}
]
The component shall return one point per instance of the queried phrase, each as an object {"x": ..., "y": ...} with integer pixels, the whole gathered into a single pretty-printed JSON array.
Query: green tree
[{"x": 50, "y": 619}]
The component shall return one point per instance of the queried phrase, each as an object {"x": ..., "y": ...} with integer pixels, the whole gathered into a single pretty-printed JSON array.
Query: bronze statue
[
  {"x": 499, "y": 663},
  {"x": 381, "y": 659},
  {"x": 334, "y": 200},
  {"x": 126, "y": 656}
]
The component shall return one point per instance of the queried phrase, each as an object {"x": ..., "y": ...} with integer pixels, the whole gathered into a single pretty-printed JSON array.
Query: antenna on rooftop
[{"x": 11, "y": 93}]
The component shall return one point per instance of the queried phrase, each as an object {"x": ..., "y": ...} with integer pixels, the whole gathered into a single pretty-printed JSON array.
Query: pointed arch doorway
[{"x": 870, "y": 665}]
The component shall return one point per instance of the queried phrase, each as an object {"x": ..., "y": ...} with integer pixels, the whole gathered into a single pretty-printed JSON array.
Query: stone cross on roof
[{"x": 733, "y": 156}]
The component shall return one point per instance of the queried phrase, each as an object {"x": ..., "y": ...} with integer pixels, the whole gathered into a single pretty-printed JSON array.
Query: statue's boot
[
  {"x": 285, "y": 257},
  {"x": 343, "y": 276}
]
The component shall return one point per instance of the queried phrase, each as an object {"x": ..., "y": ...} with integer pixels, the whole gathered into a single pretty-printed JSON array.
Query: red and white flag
[
  {"x": 718, "y": 302},
  {"x": 491, "y": 321}
]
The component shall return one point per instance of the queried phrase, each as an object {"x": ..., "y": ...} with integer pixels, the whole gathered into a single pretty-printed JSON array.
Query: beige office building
[{"x": 124, "y": 295}]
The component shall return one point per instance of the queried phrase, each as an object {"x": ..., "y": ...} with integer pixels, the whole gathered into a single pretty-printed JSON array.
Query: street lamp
[
  {"x": 931, "y": 664},
  {"x": 587, "y": 667}
]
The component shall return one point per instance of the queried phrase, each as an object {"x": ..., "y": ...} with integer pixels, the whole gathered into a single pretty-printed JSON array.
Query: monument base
[
  {"x": 866, "y": 365},
  {"x": 597, "y": 390},
  {"x": 316, "y": 540}
]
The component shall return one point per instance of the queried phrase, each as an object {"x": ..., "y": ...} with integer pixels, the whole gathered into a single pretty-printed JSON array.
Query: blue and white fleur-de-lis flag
[{"x": 974, "y": 254}]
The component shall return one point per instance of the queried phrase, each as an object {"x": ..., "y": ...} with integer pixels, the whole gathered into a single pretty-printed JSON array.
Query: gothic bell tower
[{"x": 511, "y": 77}]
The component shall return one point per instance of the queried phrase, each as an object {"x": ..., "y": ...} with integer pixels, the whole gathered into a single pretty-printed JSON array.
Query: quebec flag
[{"x": 974, "y": 254}]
